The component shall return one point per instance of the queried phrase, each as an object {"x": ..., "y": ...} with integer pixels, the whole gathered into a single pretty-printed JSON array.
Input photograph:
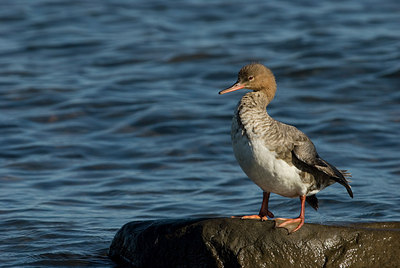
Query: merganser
[{"x": 277, "y": 157}]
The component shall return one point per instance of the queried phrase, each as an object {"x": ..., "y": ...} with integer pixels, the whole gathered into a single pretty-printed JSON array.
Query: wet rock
[{"x": 248, "y": 243}]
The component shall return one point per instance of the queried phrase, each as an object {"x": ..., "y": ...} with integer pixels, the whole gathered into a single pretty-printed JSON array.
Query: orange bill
[{"x": 236, "y": 86}]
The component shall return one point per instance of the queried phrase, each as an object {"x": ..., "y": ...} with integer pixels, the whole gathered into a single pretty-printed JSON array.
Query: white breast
[{"x": 264, "y": 169}]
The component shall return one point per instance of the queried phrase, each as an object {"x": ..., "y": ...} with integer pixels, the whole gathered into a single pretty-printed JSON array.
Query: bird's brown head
[{"x": 256, "y": 77}]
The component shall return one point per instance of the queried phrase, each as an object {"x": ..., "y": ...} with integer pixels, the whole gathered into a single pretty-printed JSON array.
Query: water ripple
[{"x": 110, "y": 113}]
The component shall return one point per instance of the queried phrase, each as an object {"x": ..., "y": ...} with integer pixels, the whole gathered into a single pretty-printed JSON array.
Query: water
[{"x": 110, "y": 114}]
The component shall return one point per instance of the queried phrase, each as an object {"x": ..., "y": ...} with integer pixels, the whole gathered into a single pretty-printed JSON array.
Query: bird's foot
[
  {"x": 251, "y": 217},
  {"x": 292, "y": 225},
  {"x": 262, "y": 217},
  {"x": 254, "y": 217}
]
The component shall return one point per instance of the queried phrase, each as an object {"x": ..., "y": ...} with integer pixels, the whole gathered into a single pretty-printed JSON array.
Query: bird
[{"x": 277, "y": 157}]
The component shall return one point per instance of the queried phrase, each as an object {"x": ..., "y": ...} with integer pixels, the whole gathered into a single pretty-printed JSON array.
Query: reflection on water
[{"x": 110, "y": 114}]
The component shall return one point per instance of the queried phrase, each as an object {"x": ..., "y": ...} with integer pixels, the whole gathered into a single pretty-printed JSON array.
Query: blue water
[{"x": 110, "y": 114}]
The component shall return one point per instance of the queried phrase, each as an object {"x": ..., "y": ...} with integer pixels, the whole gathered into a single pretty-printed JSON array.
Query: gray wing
[
  {"x": 305, "y": 157},
  {"x": 292, "y": 145}
]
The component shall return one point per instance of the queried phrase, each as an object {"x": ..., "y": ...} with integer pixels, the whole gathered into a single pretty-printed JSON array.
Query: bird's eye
[{"x": 250, "y": 78}]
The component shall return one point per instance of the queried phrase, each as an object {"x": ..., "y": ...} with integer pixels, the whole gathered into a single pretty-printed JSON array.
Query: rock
[{"x": 226, "y": 242}]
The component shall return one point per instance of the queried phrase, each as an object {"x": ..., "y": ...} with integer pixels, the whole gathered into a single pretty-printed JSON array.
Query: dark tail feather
[
  {"x": 341, "y": 177},
  {"x": 344, "y": 181},
  {"x": 346, "y": 175},
  {"x": 312, "y": 200}
]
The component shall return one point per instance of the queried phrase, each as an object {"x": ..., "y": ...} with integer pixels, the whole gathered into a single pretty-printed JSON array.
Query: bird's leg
[
  {"x": 264, "y": 212},
  {"x": 292, "y": 225}
]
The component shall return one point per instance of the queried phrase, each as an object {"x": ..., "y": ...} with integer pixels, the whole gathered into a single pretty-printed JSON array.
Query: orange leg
[
  {"x": 264, "y": 212},
  {"x": 292, "y": 225}
]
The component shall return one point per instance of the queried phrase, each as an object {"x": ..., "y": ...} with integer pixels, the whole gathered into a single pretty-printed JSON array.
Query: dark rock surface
[{"x": 226, "y": 242}]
